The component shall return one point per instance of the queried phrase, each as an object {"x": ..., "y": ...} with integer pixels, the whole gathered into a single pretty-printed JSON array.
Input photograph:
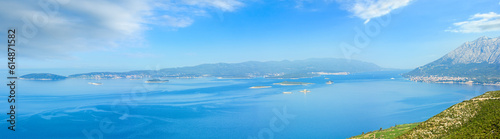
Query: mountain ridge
[
  {"x": 249, "y": 69},
  {"x": 481, "y": 50},
  {"x": 477, "y": 61}
]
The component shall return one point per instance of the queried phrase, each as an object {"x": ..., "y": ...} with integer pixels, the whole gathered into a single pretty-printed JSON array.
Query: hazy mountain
[
  {"x": 482, "y": 50},
  {"x": 479, "y": 59},
  {"x": 42, "y": 76},
  {"x": 297, "y": 68}
]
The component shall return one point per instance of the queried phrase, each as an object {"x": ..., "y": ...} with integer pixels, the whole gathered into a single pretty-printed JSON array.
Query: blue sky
[{"x": 126, "y": 35}]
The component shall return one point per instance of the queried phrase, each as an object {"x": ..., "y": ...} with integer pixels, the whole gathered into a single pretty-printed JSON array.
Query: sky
[{"x": 122, "y": 35}]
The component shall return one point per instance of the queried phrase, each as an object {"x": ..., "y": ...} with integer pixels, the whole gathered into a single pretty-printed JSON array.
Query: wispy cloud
[
  {"x": 180, "y": 13},
  {"x": 368, "y": 9},
  {"x": 75, "y": 26},
  {"x": 177, "y": 21},
  {"x": 478, "y": 23},
  {"x": 224, "y": 5},
  {"x": 300, "y": 3}
]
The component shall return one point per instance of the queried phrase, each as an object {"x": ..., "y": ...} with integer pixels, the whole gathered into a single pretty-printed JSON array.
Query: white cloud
[
  {"x": 368, "y": 9},
  {"x": 300, "y": 3},
  {"x": 311, "y": 5},
  {"x": 78, "y": 26},
  {"x": 180, "y": 13},
  {"x": 224, "y": 5},
  {"x": 478, "y": 23},
  {"x": 177, "y": 21}
]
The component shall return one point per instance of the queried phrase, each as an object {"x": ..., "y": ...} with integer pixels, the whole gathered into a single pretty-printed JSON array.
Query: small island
[
  {"x": 93, "y": 83},
  {"x": 331, "y": 73},
  {"x": 257, "y": 87},
  {"x": 42, "y": 76},
  {"x": 292, "y": 83},
  {"x": 156, "y": 81}
]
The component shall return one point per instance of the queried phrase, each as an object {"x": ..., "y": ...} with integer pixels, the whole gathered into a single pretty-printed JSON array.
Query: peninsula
[{"x": 42, "y": 76}]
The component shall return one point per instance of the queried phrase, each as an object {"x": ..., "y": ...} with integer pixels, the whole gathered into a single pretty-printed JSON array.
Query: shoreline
[{"x": 450, "y": 80}]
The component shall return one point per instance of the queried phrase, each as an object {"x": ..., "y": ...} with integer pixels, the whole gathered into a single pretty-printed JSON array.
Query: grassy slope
[
  {"x": 389, "y": 133},
  {"x": 475, "y": 118},
  {"x": 478, "y": 117},
  {"x": 485, "y": 124}
]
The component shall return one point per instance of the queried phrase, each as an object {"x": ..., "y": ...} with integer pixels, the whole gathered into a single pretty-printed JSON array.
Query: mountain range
[
  {"x": 477, "y": 61},
  {"x": 251, "y": 69}
]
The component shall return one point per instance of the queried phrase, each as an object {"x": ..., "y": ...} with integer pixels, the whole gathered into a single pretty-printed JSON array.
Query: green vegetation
[
  {"x": 478, "y": 118},
  {"x": 389, "y": 133},
  {"x": 490, "y": 94},
  {"x": 486, "y": 123}
]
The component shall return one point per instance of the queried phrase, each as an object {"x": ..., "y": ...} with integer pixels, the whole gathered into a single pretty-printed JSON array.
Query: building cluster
[
  {"x": 443, "y": 79},
  {"x": 330, "y": 73}
]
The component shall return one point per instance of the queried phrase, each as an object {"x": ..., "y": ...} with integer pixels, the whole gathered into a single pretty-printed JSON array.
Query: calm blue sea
[{"x": 226, "y": 108}]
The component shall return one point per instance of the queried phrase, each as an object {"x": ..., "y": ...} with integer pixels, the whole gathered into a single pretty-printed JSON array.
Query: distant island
[
  {"x": 42, "y": 76},
  {"x": 292, "y": 83},
  {"x": 476, "y": 62},
  {"x": 475, "y": 118},
  {"x": 156, "y": 81},
  {"x": 257, "y": 87},
  {"x": 246, "y": 70},
  {"x": 93, "y": 83},
  {"x": 306, "y": 75},
  {"x": 334, "y": 73}
]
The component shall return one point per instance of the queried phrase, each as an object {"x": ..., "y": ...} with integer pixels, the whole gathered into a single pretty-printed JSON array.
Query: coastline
[{"x": 450, "y": 80}]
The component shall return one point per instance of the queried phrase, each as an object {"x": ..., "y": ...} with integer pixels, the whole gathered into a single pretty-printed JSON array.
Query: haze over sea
[{"x": 227, "y": 108}]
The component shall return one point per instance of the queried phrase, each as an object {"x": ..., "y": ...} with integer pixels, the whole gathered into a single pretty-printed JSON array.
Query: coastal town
[{"x": 449, "y": 80}]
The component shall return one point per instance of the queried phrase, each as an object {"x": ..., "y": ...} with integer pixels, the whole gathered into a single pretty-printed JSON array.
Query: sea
[{"x": 225, "y": 108}]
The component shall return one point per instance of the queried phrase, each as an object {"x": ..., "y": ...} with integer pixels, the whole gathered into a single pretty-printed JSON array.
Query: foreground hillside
[
  {"x": 478, "y": 117},
  {"x": 389, "y": 133}
]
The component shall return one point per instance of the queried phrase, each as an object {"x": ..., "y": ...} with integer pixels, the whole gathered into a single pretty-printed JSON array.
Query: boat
[
  {"x": 92, "y": 83},
  {"x": 392, "y": 78},
  {"x": 287, "y": 92},
  {"x": 329, "y": 82},
  {"x": 156, "y": 81},
  {"x": 305, "y": 91}
]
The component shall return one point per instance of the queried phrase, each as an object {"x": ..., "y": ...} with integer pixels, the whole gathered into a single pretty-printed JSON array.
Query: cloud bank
[
  {"x": 368, "y": 9},
  {"x": 477, "y": 23},
  {"x": 57, "y": 29}
]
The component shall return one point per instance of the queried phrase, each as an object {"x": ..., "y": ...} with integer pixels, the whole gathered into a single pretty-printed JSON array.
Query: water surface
[{"x": 227, "y": 108}]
